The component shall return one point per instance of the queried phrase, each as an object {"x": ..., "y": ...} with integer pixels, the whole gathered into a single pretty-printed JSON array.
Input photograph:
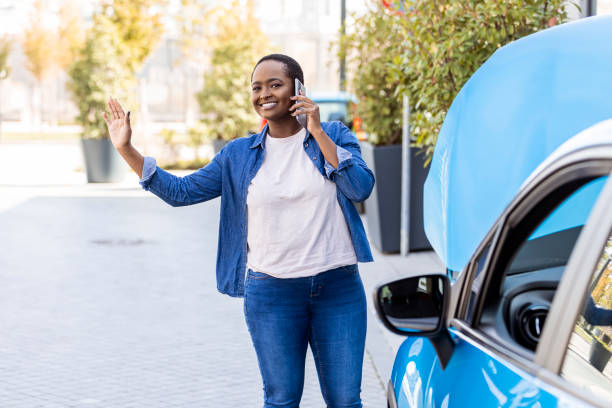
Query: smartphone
[{"x": 300, "y": 89}]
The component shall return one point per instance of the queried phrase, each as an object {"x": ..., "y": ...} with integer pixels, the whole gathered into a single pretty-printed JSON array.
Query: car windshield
[
  {"x": 330, "y": 111},
  {"x": 551, "y": 243}
]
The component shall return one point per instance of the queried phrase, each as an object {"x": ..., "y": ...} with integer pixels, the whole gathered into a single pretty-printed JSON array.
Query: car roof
[{"x": 340, "y": 96}]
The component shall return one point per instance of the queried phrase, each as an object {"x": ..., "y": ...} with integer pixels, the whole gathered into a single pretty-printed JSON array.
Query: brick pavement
[{"x": 109, "y": 300}]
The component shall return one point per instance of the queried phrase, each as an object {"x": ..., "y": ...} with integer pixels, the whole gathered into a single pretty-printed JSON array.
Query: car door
[{"x": 509, "y": 291}]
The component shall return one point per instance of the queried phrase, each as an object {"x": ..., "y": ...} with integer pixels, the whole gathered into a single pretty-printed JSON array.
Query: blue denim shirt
[{"x": 229, "y": 174}]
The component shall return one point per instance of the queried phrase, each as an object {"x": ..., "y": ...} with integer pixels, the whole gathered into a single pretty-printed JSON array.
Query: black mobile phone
[{"x": 300, "y": 89}]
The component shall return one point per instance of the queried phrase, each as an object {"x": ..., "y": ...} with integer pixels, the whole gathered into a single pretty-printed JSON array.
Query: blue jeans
[{"x": 327, "y": 311}]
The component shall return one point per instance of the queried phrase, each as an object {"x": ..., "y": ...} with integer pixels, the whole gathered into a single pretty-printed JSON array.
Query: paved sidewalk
[{"x": 108, "y": 299}]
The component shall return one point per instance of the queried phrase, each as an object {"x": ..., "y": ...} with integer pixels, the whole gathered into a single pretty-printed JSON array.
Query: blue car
[{"x": 517, "y": 206}]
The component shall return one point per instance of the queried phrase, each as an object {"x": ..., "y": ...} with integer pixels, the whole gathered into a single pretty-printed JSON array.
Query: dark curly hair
[{"x": 292, "y": 68}]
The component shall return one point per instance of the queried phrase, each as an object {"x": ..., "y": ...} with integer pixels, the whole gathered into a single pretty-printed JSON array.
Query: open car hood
[{"x": 527, "y": 99}]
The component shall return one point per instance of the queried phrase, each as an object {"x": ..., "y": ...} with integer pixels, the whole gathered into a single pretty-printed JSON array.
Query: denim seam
[{"x": 317, "y": 357}]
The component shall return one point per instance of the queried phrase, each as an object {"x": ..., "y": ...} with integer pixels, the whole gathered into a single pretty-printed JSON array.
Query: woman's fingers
[
  {"x": 301, "y": 105},
  {"x": 115, "y": 108},
  {"x": 120, "y": 113},
  {"x": 112, "y": 109},
  {"x": 106, "y": 119}
]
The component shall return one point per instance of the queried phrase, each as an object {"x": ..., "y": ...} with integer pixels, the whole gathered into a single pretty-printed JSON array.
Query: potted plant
[
  {"x": 115, "y": 47},
  {"x": 94, "y": 75},
  {"x": 600, "y": 352},
  {"x": 371, "y": 51},
  {"x": 224, "y": 101},
  {"x": 427, "y": 51},
  {"x": 444, "y": 42}
]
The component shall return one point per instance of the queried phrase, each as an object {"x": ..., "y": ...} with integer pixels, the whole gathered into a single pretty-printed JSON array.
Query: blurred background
[{"x": 181, "y": 66}]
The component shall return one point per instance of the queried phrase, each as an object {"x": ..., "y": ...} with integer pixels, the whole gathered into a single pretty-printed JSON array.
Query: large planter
[
  {"x": 599, "y": 355},
  {"x": 102, "y": 162},
  {"x": 383, "y": 207},
  {"x": 417, "y": 240}
]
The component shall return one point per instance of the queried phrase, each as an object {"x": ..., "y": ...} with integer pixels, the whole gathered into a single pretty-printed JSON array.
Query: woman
[{"x": 287, "y": 217}]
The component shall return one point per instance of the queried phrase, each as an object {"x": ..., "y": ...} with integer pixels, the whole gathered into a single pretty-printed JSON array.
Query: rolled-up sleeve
[
  {"x": 148, "y": 170},
  {"x": 344, "y": 157},
  {"x": 352, "y": 176}
]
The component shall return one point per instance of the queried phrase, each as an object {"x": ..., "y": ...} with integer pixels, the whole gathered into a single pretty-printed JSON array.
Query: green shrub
[
  {"x": 446, "y": 41},
  {"x": 123, "y": 34},
  {"x": 236, "y": 46},
  {"x": 370, "y": 50},
  {"x": 428, "y": 52}
]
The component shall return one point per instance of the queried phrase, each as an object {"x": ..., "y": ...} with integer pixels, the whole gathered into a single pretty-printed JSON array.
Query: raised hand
[{"x": 118, "y": 125}]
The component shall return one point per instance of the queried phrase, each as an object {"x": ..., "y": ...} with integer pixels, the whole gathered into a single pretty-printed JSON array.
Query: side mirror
[
  {"x": 413, "y": 306},
  {"x": 417, "y": 306}
]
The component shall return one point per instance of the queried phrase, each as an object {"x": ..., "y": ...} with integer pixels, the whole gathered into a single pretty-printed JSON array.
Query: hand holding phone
[{"x": 300, "y": 89}]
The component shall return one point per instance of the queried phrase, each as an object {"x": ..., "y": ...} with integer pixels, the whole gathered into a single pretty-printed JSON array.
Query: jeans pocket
[
  {"x": 257, "y": 275},
  {"x": 350, "y": 268}
]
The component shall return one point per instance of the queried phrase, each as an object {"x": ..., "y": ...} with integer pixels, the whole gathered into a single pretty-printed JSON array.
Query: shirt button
[
  {"x": 314, "y": 158},
  {"x": 305, "y": 144}
]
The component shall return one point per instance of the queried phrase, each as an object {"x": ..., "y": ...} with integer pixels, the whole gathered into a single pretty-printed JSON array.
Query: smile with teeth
[{"x": 268, "y": 105}]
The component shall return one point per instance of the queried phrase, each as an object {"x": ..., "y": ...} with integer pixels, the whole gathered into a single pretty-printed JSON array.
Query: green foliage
[
  {"x": 138, "y": 26},
  {"x": 186, "y": 164},
  {"x": 428, "y": 53},
  {"x": 446, "y": 41},
  {"x": 236, "y": 47},
  {"x": 70, "y": 34},
  {"x": 97, "y": 73},
  {"x": 5, "y": 50},
  {"x": 370, "y": 51},
  {"x": 35, "y": 44},
  {"x": 123, "y": 34},
  {"x": 196, "y": 138}
]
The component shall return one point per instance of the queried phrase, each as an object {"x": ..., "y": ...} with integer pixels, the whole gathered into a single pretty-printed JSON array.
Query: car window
[
  {"x": 523, "y": 283},
  {"x": 330, "y": 111},
  {"x": 587, "y": 361},
  {"x": 477, "y": 281}
]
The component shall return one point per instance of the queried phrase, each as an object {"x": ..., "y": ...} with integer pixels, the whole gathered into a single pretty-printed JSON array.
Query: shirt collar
[{"x": 260, "y": 137}]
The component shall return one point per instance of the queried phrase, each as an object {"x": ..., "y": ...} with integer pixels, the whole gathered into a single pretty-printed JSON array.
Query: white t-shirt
[{"x": 296, "y": 227}]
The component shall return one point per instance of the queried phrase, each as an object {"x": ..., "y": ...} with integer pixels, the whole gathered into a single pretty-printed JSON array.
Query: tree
[
  {"x": 37, "y": 44},
  {"x": 96, "y": 74},
  {"x": 138, "y": 26},
  {"x": 70, "y": 34},
  {"x": 122, "y": 36},
  {"x": 5, "y": 70},
  {"x": 5, "y": 50},
  {"x": 446, "y": 41},
  {"x": 428, "y": 50},
  {"x": 370, "y": 50},
  {"x": 237, "y": 44}
]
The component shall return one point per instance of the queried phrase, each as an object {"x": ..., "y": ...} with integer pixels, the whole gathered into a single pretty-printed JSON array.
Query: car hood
[{"x": 527, "y": 99}]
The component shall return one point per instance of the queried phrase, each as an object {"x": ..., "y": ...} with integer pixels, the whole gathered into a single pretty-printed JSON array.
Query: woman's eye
[
  {"x": 275, "y": 85},
  {"x": 256, "y": 89}
]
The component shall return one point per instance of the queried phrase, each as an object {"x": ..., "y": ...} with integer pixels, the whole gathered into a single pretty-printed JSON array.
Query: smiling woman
[{"x": 287, "y": 216}]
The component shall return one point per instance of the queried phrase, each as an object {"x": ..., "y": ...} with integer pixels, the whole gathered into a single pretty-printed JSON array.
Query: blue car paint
[
  {"x": 526, "y": 94},
  {"x": 472, "y": 378},
  {"x": 527, "y": 99}
]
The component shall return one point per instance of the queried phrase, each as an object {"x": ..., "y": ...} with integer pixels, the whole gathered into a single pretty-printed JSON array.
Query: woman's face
[{"x": 271, "y": 89}]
